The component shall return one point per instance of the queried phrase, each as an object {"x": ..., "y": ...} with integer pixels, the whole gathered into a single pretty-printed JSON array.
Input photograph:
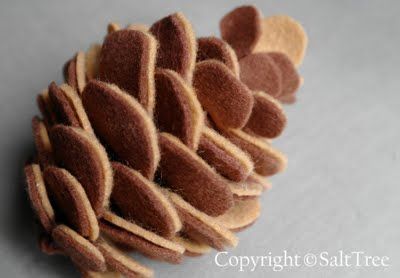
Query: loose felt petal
[
  {"x": 267, "y": 118},
  {"x": 143, "y": 241},
  {"x": 62, "y": 107},
  {"x": 38, "y": 197},
  {"x": 71, "y": 201},
  {"x": 227, "y": 159},
  {"x": 192, "y": 248},
  {"x": 241, "y": 215},
  {"x": 201, "y": 227},
  {"x": 290, "y": 77},
  {"x": 122, "y": 123},
  {"x": 217, "y": 49},
  {"x": 267, "y": 160},
  {"x": 80, "y": 250},
  {"x": 282, "y": 33},
  {"x": 92, "y": 60},
  {"x": 177, "y": 45},
  {"x": 142, "y": 202},
  {"x": 127, "y": 60},
  {"x": 121, "y": 263},
  {"x": 42, "y": 143},
  {"x": 260, "y": 73},
  {"x": 228, "y": 101},
  {"x": 186, "y": 173},
  {"x": 177, "y": 109},
  {"x": 241, "y": 28},
  {"x": 81, "y": 154}
]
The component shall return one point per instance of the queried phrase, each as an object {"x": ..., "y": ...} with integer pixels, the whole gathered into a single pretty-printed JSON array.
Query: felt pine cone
[{"x": 160, "y": 142}]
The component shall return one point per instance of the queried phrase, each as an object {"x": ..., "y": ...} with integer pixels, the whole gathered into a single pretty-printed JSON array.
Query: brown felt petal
[
  {"x": 142, "y": 202},
  {"x": 227, "y": 159},
  {"x": 201, "y": 227},
  {"x": 38, "y": 196},
  {"x": 215, "y": 48},
  {"x": 290, "y": 76},
  {"x": 177, "y": 109},
  {"x": 81, "y": 154},
  {"x": 143, "y": 241},
  {"x": 288, "y": 99},
  {"x": 177, "y": 45},
  {"x": 79, "y": 249},
  {"x": 192, "y": 248},
  {"x": 260, "y": 73},
  {"x": 42, "y": 142},
  {"x": 92, "y": 60},
  {"x": 241, "y": 215},
  {"x": 75, "y": 72},
  {"x": 47, "y": 246},
  {"x": 127, "y": 60},
  {"x": 186, "y": 173},
  {"x": 119, "y": 262},
  {"x": 228, "y": 101},
  {"x": 246, "y": 190},
  {"x": 282, "y": 33},
  {"x": 241, "y": 28},
  {"x": 46, "y": 108},
  {"x": 267, "y": 118},
  {"x": 258, "y": 179},
  {"x": 71, "y": 200},
  {"x": 122, "y": 123},
  {"x": 267, "y": 160}
]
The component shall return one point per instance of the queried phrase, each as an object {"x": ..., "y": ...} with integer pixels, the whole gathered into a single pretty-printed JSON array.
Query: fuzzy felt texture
[
  {"x": 113, "y": 27},
  {"x": 42, "y": 143},
  {"x": 81, "y": 154},
  {"x": 242, "y": 214},
  {"x": 267, "y": 118},
  {"x": 121, "y": 263},
  {"x": 80, "y": 250},
  {"x": 260, "y": 73},
  {"x": 92, "y": 274},
  {"x": 141, "y": 201},
  {"x": 246, "y": 190},
  {"x": 178, "y": 110},
  {"x": 143, "y": 241},
  {"x": 123, "y": 125},
  {"x": 92, "y": 60},
  {"x": 138, "y": 26},
  {"x": 45, "y": 107},
  {"x": 127, "y": 60},
  {"x": 267, "y": 160},
  {"x": 177, "y": 45},
  {"x": 192, "y": 248},
  {"x": 185, "y": 172},
  {"x": 258, "y": 179},
  {"x": 227, "y": 159},
  {"x": 200, "y": 227},
  {"x": 70, "y": 200},
  {"x": 38, "y": 197},
  {"x": 217, "y": 49},
  {"x": 282, "y": 33},
  {"x": 241, "y": 28},
  {"x": 47, "y": 245},
  {"x": 75, "y": 72},
  {"x": 69, "y": 72},
  {"x": 288, "y": 99},
  {"x": 290, "y": 76},
  {"x": 227, "y": 100}
]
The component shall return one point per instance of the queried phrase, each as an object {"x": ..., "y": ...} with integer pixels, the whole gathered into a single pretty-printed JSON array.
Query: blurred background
[{"x": 341, "y": 190}]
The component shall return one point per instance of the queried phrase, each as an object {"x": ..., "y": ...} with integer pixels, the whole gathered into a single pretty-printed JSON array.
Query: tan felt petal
[
  {"x": 42, "y": 143},
  {"x": 177, "y": 109},
  {"x": 38, "y": 197},
  {"x": 113, "y": 27},
  {"x": 241, "y": 215},
  {"x": 177, "y": 45},
  {"x": 80, "y": 250},
  {"x": 75, "y": 72},
  {"x": 228, "y": 101},
  {"x": 142, "y": 202},
  {"x": 69, "y": 71},
  {"x": 192, "y": 248},
  {"x": 260, "y": 73},
  {"x": 241, "y": 28},
  {"x": 71, "y": 201},
  {"x": 258, "y": 179},
  {"x": 107, "y": 274},
  {"x": 122, "y": 124},
  {"x": 92, "y": 60},
  {"x": 81, "y": 154},
  {"x": 121, "y": 263},
  {"x": 246, "y": 190},
  {"x": 127, "y": 60},
  {"x": 267, "y": 160},
  {"x": 186, "y": 173},
  {"x": 138, "y": 26},
  {"x": 267, "y": 118},
  {"x": 227, "y": 159},
  {"x": 201, "y": 227},
  {"x": 215, "y": 48},
  {"x": 283, "y": 34}
]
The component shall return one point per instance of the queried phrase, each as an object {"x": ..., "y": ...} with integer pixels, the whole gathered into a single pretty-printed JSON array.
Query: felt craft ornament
[{"x": 160, "y": 142}]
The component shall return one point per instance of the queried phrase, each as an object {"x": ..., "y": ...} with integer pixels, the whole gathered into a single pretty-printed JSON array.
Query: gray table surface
[{"x": 341, "y": 189}]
